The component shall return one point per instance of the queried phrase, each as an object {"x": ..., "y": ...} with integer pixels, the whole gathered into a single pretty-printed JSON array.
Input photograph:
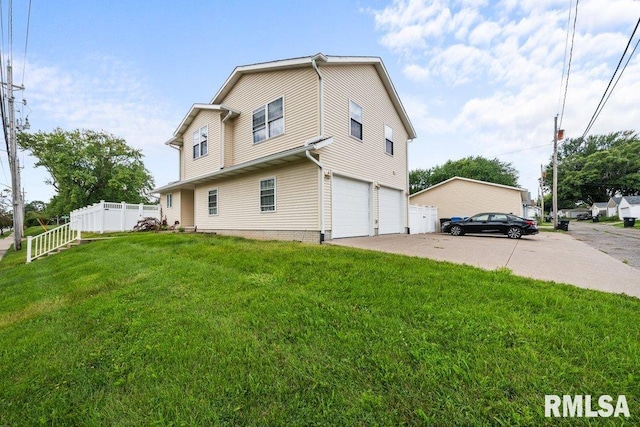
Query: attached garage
[
  {"x": 351, "y": 208},
  {"x": 390, "y": 211}
]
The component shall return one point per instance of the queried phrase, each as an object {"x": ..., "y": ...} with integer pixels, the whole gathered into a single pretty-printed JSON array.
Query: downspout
[
  {"x": 223, "y": 143},
  {"x": 310, "y": 157},
  {"x": 406, "y": 160}
]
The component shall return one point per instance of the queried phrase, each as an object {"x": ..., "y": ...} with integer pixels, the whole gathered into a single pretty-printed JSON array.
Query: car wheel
[
  {"x": 514, "y": 232},
  {"x": 456, "y": 230}
]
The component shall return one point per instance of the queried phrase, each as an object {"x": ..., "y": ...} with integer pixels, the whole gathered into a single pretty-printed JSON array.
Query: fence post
[
  {"x": 102, "y": 208},
  {"x": 29, "y": 249},
  {"x": 123, "y": 216}
]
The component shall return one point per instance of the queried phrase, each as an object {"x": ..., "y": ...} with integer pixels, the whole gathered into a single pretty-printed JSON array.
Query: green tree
[
  {"x": 88, "y": 166},
  {"x": 33, "y": 211},
  {"x": 6, "y": 219},
  {"x": 479, "y": 168},
  {"x": 594, "y": 169}
]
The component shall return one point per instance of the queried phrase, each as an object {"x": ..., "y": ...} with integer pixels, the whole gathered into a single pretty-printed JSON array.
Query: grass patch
[{"x": 184, "y": 329}]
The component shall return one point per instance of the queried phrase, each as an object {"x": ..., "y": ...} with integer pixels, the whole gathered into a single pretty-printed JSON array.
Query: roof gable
[
  {"x": 320, "y": 59},
  {"x": 458, "y": 178}
]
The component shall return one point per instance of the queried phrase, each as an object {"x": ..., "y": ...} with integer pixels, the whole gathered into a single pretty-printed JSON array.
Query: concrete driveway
[{"x": 547, "y": 256}]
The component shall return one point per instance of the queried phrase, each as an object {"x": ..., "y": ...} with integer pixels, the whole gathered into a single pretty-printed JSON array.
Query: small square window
[{"x": 268, "y": 195}]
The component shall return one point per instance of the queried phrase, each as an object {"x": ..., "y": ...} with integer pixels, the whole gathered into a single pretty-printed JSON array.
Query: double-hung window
[
  {"x": 213, "y": 202},
  {"x": 200, "y": 142},
  {"x": 169, "y": 200},
  {"x": 268, "y": 195},
  {"x": 268, "y": 120},
  {"x": 388, "y": 139},
  {"x": 355, "y": 119}
]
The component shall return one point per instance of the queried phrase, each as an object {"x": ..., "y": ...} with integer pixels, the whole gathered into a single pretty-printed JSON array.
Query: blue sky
[{"x": 476, "y": 77}]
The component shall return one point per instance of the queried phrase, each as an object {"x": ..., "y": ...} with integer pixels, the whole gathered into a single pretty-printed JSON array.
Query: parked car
[
  {"x": 493, "y": 222},
  {"x": 583, "y": 216}
]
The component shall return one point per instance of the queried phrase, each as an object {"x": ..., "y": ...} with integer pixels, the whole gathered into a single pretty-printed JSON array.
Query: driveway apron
[{"x": 546, "y": 256}]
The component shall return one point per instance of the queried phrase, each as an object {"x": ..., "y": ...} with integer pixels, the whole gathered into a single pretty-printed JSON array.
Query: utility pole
[
  {"x": 14, "y": 163},
  {"x": 555, "y": 172}
]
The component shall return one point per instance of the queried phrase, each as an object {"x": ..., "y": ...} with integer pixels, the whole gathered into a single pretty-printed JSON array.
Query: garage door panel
[
  {"x": 390, "y": 211},
  {"x": 350, "y": 208}
]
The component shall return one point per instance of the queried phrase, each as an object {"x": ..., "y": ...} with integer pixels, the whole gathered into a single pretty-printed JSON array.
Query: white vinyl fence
[
  {"x": 108, "y": 216},
  {"x": 423, "y": 219}
]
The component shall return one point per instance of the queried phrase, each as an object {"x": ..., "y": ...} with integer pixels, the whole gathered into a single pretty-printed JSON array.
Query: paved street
[
  {"x": 5, "y": 244},
  {"x": 622, "y": 244}
]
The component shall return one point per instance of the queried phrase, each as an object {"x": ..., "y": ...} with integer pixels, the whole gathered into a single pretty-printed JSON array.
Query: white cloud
[
  {"x": 111, "y": 96},
  {"x": 496, "y": 69}
]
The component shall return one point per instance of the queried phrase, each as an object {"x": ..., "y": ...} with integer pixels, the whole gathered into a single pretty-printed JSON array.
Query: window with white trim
[
  {"x": 200, "y": 142},
  {"x": 388, "y": 139},
  {"x": 268, "y": 120},
  {"x": 355, "y": 120},
  {"x": 213, "y": 202},
  {"x": 268, "y": 195},
  {"x": 169, "y": 200}
]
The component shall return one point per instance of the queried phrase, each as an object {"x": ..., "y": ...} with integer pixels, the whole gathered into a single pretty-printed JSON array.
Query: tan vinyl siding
[
  {"x": 366, "y": 159},
  {"x": 299, "y": 87},
  {"x": 239, "y": 201},
  {"x": 464, "y": 198},
  {"x": 171, "y": 214},
  {"x": 211, "y": 161},
  {"x": 186, "y": 208}
]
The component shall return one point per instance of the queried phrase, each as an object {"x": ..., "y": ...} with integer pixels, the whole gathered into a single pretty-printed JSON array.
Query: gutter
[
  {"x": 318, "y": 143},
  {"x": 223, "y": 143}
]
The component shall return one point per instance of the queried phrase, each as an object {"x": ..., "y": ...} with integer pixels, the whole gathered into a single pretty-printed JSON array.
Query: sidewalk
[{"x": 5, "y": 244}]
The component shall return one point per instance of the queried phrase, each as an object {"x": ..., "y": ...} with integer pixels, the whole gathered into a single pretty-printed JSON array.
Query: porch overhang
[{"x": 277, "y": 159}]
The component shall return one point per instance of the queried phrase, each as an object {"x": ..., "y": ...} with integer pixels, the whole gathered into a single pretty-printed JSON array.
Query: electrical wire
[
  {"x": 524, "y": 149},
  {"x": 564, "y": 58},
  {"x": 605, "y": 97},
  {"x": 566, "y": 87},
  {"x": 26, "y": 43}
]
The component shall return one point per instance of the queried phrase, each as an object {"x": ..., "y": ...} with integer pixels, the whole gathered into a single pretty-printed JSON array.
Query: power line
[
  {"x": 524, "y": 149},
  {"x": 566, "y": 87},
  {"x": 26, "y": 43},
  {"x": 564, "y": 58},
  {"x": 602, "y": 102}
]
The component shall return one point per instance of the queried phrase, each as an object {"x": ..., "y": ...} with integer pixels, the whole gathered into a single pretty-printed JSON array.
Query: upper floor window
[
  {"x": 169, "y": 200},
  {"x": 355, "y": 117},
  {"x": 213, "y": 202},
  {"x": 268, "y": 195},
  {"x": 268, "y": 120},
  {"x": 200, "y": 142},
  {"x": 388, "y": 139}
]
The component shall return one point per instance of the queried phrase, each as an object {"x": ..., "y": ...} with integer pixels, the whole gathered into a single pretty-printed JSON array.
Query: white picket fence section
[
  {"x": 50, "y": 241},
  {"x": 108, "y": 216},
  {"x": 423, "y": 219}
]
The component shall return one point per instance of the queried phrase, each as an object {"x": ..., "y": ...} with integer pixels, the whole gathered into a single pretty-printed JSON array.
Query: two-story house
[{"x": 304, "y": 149}]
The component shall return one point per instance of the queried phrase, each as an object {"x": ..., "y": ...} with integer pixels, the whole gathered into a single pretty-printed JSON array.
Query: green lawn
[{"x": 198, "y": 330}]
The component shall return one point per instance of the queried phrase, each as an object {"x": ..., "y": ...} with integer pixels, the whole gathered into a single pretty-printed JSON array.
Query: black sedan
[{"x": 493, "y": 222}]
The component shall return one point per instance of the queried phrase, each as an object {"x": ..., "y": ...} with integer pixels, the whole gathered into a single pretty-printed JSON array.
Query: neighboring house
[
  {"x": 629, "y": 207},
  {"x": 573, "y": 213},
  {"x": 305, "y": 149},
  {"x": 599, "y": 209},
  {"x": 465, "y": 197},
  {"x": 612, "y": 205},
  {"x": 531, "y": 210}
]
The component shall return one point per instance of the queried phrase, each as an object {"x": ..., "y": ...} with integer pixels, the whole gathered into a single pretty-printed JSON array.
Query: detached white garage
[
  {"x": 391, "y": 204},
  {"x": 351, "y": 208}
]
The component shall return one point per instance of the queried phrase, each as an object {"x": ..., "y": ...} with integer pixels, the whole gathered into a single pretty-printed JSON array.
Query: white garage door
[
  {"x": 390, "y": 211},
  {"x": 350, "y": 208}
]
